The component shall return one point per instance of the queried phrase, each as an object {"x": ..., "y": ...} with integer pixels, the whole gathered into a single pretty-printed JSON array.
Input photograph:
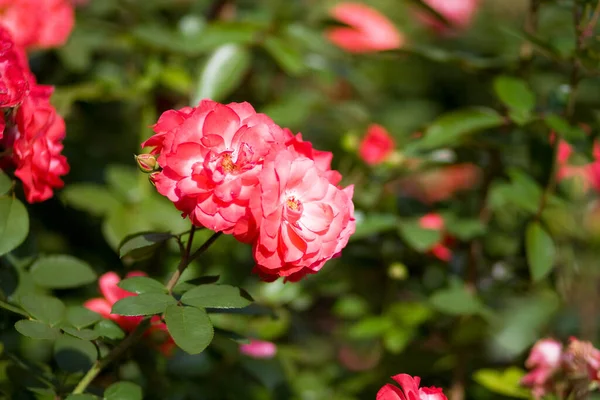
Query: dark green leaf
[
  {"x": 189, "y": 327},
  {"x": 184, "y": 286},
  {"x": 216, "y": 296},
  {"x": 14, "y": 224},
  {"x": 61, "y": 272},
  {"x": 36, "y": 329},
  {"x": 44, "y": 308},
  {"x": 540, "y": 251},
  {"x": 123, "y": 391},
  {"x": 456, "y": 300},
  {"x": 84, "y": 396},
  {"x": 236, "y": 337},
  {"x": 85, "y": 334},
  {"x": 371, "y": 327},
  {"x": 144, "y": 304},
  {"x": 142, "y": 284},
  {"x": 109, "y": 330},
  {"x": 74, "y": 355},
  {"x": 286, "y": 54},
  {"x": 465, "y": 229},
  {"x": 453, "y": 128},
  {"x": 222, "y": 73},
  {"x": 373, "y": 224},
  {"x": 418, "y": 238},
  {"x": 80, "y": 317},
  {"x": 570, "y": 133},
  {"x": 94, "y": 199},
  {"x": 5, "y": 183},
  {"x": 142, "y": 245},
  {"x": 516, "y": 95}
]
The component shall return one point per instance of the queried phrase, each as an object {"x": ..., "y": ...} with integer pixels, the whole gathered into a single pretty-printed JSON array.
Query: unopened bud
[
  {"x": 152, "y": 178},
  {"x": 146, "y": 162}
]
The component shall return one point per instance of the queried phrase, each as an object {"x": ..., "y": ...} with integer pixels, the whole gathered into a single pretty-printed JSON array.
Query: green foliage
[
  {"x": 61, "y": 272},
  {"x": 123, "y": 391},
  {"x": 142, "y": 245},
  {"x": 14, "y": 224},
  {"x": 540, "y": 251},
  {"x": 142, "y": 284},
  {"x": 144, "y": 304},
  {"x": 190, "y": 328},
  {"x": 216, "y": 296}
]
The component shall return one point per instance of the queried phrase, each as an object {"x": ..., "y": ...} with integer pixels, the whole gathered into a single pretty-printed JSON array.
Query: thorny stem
[{"x": 186, "y": 259}]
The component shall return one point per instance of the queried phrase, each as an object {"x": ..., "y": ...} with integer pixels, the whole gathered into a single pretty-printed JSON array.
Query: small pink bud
[
  {"x": 146, "y": 162},
  {"x": 259, "y": 349},
  {"x": 152, "y": 177}
]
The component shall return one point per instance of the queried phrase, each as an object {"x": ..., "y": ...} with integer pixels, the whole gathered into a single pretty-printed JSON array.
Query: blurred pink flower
[
  {"x": 441, "y": 250},
  {"x": 581, "y": 359},
  {"x": 259, "y": 349},
  {"x": 410, "y": 390},
  {"x": 459, "y": 13},
  {"x": 368, "y": 30},
  {"x": 544, "y": 360},
  {"x": 376, "y": 146},
  {"x": 588, "y": 174}
]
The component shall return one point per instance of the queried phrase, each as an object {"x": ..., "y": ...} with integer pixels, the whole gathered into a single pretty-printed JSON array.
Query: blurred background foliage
[{"x": 387, "y": 305}]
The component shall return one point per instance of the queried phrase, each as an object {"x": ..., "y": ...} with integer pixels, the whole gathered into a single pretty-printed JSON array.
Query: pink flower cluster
[
  {"x": 409, "y": 390},
  {"x": 235, "y": 171},
  {"x": 550, "y": 364},
  {"x": 31, "y": 132},
  {"x": 113, "y": 293},
  {"x": 589, "y": 174},
  {"x": 442, "y": 249}
]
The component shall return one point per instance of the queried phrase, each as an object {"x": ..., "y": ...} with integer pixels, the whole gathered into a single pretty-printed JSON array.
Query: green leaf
[
  {"x": 85, "y": 334},
  {"x": 217, "y": 296},
  {"x": 142, "y": 245},
  {"x": 456, "y": 300},
  {"x": 142, "y": 284},
  {"x": 396, "y": 339},
  {"x": 222, "y": 73},
  {"x": 61, "y": 272},
  {"x": 36, "y": 329},
  {"x": 507, "y": 382},
  {"x": 286, "y": 54},
  {"x": 189, "y": 327},
  {"x": 14, "y": 224},
  {"x": 44, "y": 308},
  {"x": 465, "y": 229},
  {"x": 418, "y": 238},
  {"x": 373, "y": 224},
  {"x": 123, "y": 391},
  {"x": 350, "y": 306},
  {"x": 109, "y": 330},
  {"x": 540, "y": 251},
  {"x": 371, "y": 327},
  {"x": 5, "y": 183},
  {"x": 144, "y": 304},
  {"x": 73, "y": 354},
  {"x": 184, "y": 286},
  {"x": 84, "y": 396},
  {"x": 80, "y": 317},
  {"x": 94, "y": 199},
  {"x": 123, "y": 180},
  {"x": 453, "y": 128},
  {"x": 517, "y": 96},
  {"x": 570, "y": 133}
]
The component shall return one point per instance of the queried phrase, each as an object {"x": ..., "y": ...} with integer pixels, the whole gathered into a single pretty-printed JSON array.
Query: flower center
[
  {"x": 293, "y": 204},
  {"x": 228, "y": 164}
]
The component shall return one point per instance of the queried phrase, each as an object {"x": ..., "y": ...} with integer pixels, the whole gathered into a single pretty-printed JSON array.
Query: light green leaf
[
  {"x": 61, "y": 272},
  {"x": 216, "y": 296},
  {"x": 505, "y": 382},
  {"x": 396, "y": 339},
  {"x": 37, "y": 329},
  {"x": 418, "y": 238},
  {"x": 14, "y": 224},
  {"x": 517, "y": 96},
  {"x": 373, "y": 224},
  {"x": 142, "y": 245},
  {"x": 540, "y": 251},
  {"x": 80, "y": 317},
  {"x": 44, "y": 308},
  {"x": 371, "y": 327},
  {"x": 189, "y": 327},
  {"x": 123, "y": 391},
  {"x": 89, "y": 197},
  {"x": 123, "y": 180},
  {"x": 142, "y": 284},
  {"x": 222, "y": 73},
  {"x": 457, "y": 300},
  {"x": 144, "y": 304},
  {"x": 5, "y": 183}
]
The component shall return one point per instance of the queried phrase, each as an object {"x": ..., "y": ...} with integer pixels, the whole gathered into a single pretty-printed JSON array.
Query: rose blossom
[
  {"x": 38, "y": 23},
  {"x": 113, "y": 293},
  {"x": 581, "y": 358},
  {"x": 368, "y": 29},
  {"x": 14, "y": 73},
  {"x": 436, "y": 222},
  {"x": 259, "y": 349},
  {"x": 302, "y": 218},
  {"x": 459, "y": 13},
  {"x": 544, "y": 360},
  {"x": 376, "y": 146},
  {"x": 210, "y": 157},
  {"x": 410, "y": 390},
  {"x": 588, "y": 174}
]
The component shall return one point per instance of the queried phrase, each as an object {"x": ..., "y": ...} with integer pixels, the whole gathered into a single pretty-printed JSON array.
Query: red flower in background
[
  {"x": 544, "y": 360},
  {"x": 376, "y": 146},
  {"x": 113, "y": 293},
  {"x": 410, "y": 390},
  {"x": 368, "y": 30},
  {"x": 459, "y": 13},
  {"x": 38, "y": 23},
  {"x": 259, "y": 349},
  {"x": 436, "y": 222},
  {"x": 439, "y": 184},
  {"x": 589, "y": 174}
]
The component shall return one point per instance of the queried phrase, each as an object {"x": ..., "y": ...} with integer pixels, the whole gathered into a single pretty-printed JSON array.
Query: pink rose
[
  {"x": 14, "y": 73},
  {"x": 210, "y": 157},
  {"x": 376, "y": 146},
  {"x": 303, "y": 219},
  {"x": 368, "y": 29},
  {"x": 38, "y": 23},
  {"x": 259, "y": 349},
  {"x": 589, "y": 174},
  {"x": 410, "y": 390},
  {"x": 441, "y": 250},
  {"x": 113, "y": 293},
  {"x": 459, "y": 13},
  {"x": 544, "y": 360}
]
